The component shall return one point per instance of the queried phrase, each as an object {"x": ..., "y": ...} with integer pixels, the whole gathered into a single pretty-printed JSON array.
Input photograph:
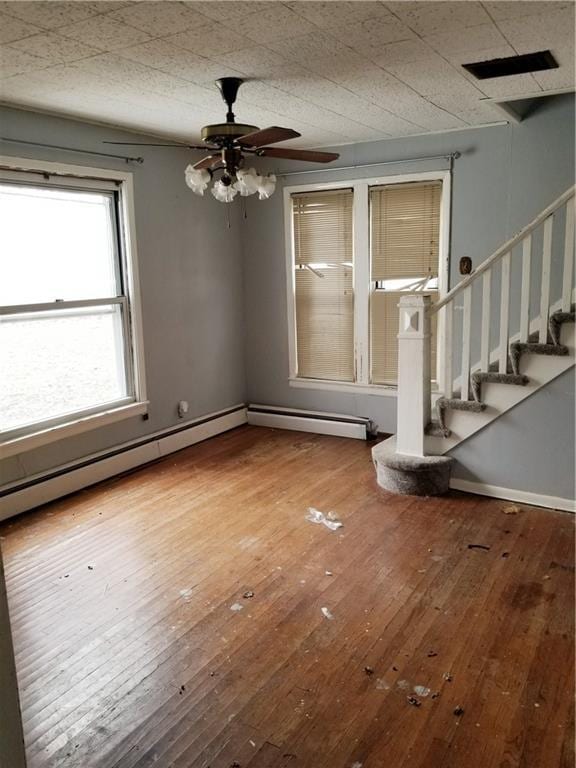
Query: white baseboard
[
  {"x": 510, "y": 494},
  {"x": 48, "y": 486},
  {"x": 278, "y": 417}
]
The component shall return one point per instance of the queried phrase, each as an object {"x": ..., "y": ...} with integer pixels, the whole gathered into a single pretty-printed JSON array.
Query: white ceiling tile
[
  {"x": 372, "y": 33},
  {"x": 429, "y": 18},
  {"x": 256, "y": 61},
  {"x": 437, "y": 76},
  {"x": 508, "y": 86},
  {"x": 160, "y": 18},
  {"x": 104, "y": 33},
  {"x": 50, "y": 15},
  {"x": 15, "y": 62},
  {"x": 227, "y": 9},
  {"x": 404, "y": 52},
  {"x": 334, "y": 14},
  {"x": 176, "y": 61},
  {"x": 55, "y": 48},
  {"x": 208, "y": 38},
  {"x": 12, "y": 29},
  {"x": 476, "y": 38},
  {"x": 480, "y": 115},
  {"x": 502, "y": 10},
  {"x": 457, "y": 100},
  {"x": 534, "y": 33},
  {"x": 275, "y": 23}
]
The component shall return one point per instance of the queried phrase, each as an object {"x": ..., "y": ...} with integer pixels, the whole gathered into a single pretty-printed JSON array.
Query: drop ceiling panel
[{"x": 335, "y": 71}]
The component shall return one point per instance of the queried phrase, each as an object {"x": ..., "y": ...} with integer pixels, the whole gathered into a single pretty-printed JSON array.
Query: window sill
[
  {"x": 70, "y": 428},
  {"x": 380, "y": 390}
]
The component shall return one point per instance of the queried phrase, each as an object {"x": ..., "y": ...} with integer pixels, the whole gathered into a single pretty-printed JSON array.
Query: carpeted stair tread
[
  {"x": 493, "y": 377},
  {"x": 435, "y": 429},
  {"x": 455, "y": 404},
  {"x": 518, "y": 348},
  {"x": 557, "y": 320}
]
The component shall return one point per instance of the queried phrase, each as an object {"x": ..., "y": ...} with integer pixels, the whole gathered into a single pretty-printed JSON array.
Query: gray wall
[
  {"x": 507, "y": 174},
  {"x": 191, "y": 283},
  {"x": 530, "y": 447}
]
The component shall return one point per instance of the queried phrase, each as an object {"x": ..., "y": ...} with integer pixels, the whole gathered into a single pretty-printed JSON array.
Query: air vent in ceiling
[{"x": 512, "y": 65}]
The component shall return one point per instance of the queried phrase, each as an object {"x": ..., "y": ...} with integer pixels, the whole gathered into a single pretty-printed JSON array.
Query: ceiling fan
[{"x": 229, "y": 143}]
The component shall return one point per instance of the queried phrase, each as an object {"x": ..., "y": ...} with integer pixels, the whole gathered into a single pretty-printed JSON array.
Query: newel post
[{"x": 413, "y": 374}]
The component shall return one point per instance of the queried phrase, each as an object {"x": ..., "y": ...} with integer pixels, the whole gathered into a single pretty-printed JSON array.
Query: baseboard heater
[
  {"x": 318, "y": 422},
  {"x": 22, "y": 495}
]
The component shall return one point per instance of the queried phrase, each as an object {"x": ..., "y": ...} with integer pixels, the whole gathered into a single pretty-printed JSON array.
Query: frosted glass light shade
[
  {"x": 266, "y": 186},
  {"x": 223, "y": 192},
  {"x": 197, "y": 179},
  {"x": 246, "y": 181}
]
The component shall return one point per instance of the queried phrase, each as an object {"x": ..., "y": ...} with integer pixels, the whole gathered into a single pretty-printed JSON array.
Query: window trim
[
  {"x": 361, "y": 240},
  {"x": 84, "y": 177}
]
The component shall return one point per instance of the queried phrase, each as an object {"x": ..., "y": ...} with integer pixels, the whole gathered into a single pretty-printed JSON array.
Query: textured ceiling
[{"x": 338, "y": 72}]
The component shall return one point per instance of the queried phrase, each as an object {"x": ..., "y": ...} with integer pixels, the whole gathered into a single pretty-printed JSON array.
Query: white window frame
[
  {"x": 361, "y": 245},
  {"x": 82, "y": 177}
]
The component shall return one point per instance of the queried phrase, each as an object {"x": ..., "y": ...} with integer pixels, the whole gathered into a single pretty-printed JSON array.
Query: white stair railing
[{"x": 461, "y": 298}]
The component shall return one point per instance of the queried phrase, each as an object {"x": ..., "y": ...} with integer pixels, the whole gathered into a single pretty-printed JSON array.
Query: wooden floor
[{"x": 131, "y": 654}]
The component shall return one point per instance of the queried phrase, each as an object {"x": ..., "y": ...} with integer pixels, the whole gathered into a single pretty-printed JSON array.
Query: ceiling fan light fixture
[
  {"x": 225, "y": 193},
  {"x": 197, "y": 179},
  {"x": 246, "y": 181},
  {"x": 266, "y": 186}
]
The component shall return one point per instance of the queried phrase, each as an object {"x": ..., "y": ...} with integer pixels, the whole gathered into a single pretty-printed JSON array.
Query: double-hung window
[
  {"x": 353, "y": 249},
  {"x": 70, "y": 336}
]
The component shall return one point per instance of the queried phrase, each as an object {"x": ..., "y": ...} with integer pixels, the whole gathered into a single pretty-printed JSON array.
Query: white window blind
[
  {"x": 323, "y": 261},
  {"x": 404, "y": 240}
]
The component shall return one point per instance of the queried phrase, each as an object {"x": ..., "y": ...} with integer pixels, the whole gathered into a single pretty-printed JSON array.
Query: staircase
[{"x": 514, "y": 317}]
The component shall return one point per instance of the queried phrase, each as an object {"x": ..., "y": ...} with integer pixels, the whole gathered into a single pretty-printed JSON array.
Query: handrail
[{"x": 564, "y": 197}]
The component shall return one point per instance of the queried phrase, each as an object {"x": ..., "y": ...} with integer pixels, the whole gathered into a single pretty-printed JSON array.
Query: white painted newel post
[{"x": 413, "y": 374}]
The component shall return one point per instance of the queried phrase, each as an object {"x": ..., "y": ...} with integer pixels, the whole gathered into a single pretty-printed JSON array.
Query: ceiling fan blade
[
  {"x": 309, "y": 155},
  {"x": 144, "y": 144},
  {"x": 268, "y": 136},
  {"x": 207, "y": 162}
]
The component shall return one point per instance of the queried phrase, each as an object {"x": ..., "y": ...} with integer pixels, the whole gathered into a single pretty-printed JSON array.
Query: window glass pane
[
  {"x": 56, "y": 244},
  {"x": 324, "y": 294},
  {"x": 57, "y": 362}
]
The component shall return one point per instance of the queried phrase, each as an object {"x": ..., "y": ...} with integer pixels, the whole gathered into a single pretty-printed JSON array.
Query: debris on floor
[
  {"x": 182, "y": 689},
  {"x": 248, "y": 594},
  {"x": 479, "y": 546},
  {"x": 356, "y": 765},
  {"x": 458, "y": 711},
  {"x": 414, "y": 701},
  {"x": 505, "y": 554},
  {"x": 369, "y": 671},
  {"x": 403, "y": 684},
  {"x": 329, "y": 520},
  {"x": 328, "y": 573},
  {"x": 431, "y": 654},
  {"x": 90, "y": 567},
  {"x": 435, "y": 695},
  {"x": 327, "y": 613},
  {"x": 511, "y": 509},
  {"x": 382, "y": 685},
  {"x": 236, "y": 607},
  {"x": 421, "y": 690},
  {"x": 447, "y": 676}
]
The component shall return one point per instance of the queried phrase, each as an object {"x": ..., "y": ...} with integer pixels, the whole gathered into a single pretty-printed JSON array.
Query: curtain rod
[
  {"x": 450, "y": 157},
  {"x": 77, "y": 151}
]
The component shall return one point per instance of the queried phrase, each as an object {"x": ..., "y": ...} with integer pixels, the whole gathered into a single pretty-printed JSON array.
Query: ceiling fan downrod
[{"x": 228, "y": 87}]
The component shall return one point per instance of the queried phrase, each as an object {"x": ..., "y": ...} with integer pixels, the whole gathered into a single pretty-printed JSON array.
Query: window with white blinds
[
  {"x": 323, "y": 284},
  {"x": 355, "y": 251},
  {"x": 404, "y": 245}
]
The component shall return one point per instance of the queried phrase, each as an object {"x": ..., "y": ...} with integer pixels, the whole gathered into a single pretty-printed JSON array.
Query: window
[
  {"x": 70, "y": 343},
  {"x": 354, "y": 249}
]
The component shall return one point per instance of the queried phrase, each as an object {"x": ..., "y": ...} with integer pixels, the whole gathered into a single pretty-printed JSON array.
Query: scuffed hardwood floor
[{"x": 130, "y": 654}]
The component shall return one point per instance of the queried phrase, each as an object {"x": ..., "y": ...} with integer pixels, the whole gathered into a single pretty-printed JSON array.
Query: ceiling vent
[{"x": 512, "y": 65}]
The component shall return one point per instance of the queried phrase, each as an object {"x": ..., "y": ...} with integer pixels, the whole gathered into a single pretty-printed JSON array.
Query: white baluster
[
  {"x": 545, "y": 285},
  {"x": 525, "y": 298},
  {"x": 448, "y": 374},
  {"x": 466, "y": 327},
  {"x": 568, "y": 257},
  {"x": 485, "y": 344},
  {"x": 504, "y": 313}
]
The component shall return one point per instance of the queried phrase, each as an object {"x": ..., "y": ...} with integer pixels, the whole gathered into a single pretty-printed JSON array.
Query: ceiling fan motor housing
[{"x": 222, "y": 133}]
